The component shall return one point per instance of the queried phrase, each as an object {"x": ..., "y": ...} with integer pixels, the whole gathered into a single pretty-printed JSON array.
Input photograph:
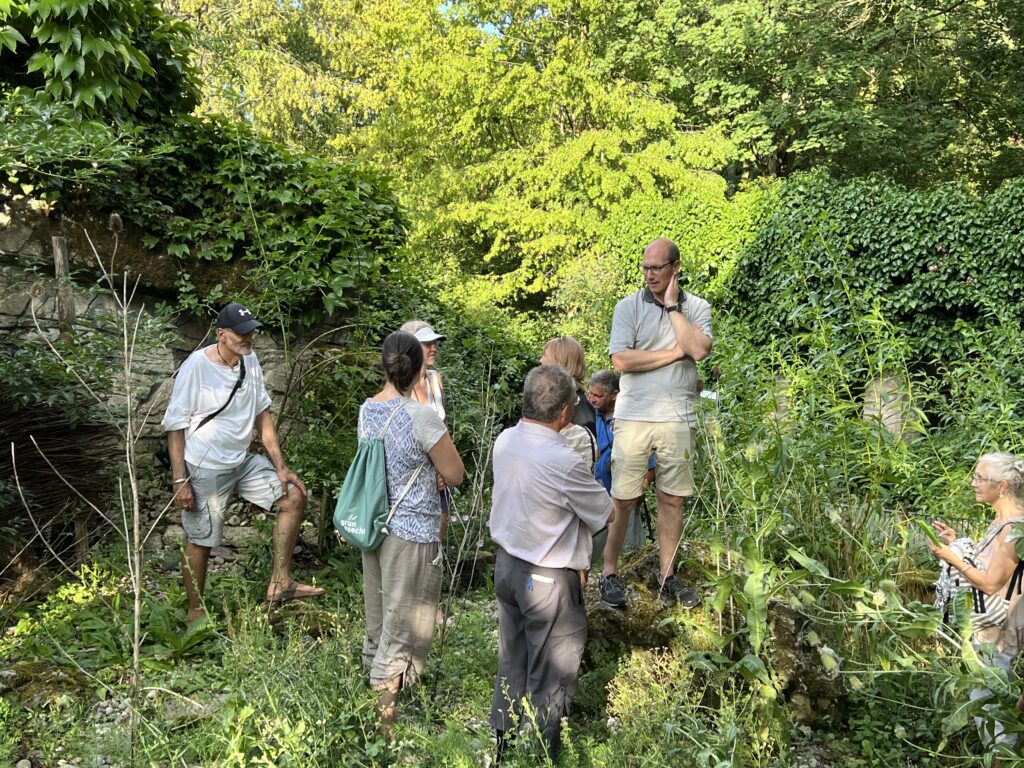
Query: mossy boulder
[
  {"x": 791, "y": 650},
  {"x": 43, "y": 685}
]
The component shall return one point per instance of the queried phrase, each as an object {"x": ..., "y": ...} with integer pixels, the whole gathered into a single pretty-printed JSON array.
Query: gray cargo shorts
[{"x": 255, "y": 480}]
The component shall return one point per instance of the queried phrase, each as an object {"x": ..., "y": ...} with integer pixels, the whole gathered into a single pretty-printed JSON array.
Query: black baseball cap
[{"x": 235, "y": 317}]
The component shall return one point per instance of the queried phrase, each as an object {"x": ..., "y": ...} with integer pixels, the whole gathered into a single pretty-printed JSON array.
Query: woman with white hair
[{"x": 998, "y": 481}]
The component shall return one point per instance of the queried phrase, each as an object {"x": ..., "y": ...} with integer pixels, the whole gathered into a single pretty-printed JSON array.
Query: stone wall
[{"x": 28, "y": 308}]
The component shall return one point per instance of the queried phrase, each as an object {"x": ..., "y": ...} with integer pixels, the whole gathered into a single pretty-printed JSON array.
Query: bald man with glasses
[{"x": 658, "y": 334}]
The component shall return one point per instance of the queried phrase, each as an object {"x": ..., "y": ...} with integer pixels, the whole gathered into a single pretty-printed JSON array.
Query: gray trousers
[
  {"x": 401, "y": 588},
  {"x": 542, "y": 628}
]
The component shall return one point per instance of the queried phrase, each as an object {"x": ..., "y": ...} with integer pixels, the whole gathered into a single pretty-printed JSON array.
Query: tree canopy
[{"x": 518, "y": 132}]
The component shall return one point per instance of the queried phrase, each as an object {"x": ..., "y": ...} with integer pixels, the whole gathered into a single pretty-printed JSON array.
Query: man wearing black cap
[{"x": 219, "y": 396}]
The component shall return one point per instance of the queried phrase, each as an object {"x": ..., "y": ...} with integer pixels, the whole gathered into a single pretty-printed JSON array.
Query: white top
[
  {"x": 545, "y": 505},
  {"x": 1008, "y": 638},
  {"x": 581, "y": 441},
  {"x": 201, "y": 387},
  {"x": 435, "y": 397}
]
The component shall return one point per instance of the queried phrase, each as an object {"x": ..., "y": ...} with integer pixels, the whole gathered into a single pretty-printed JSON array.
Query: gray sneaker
[
  {"x": 673, "y": 589},
  {"x": 612, "y": 591}
]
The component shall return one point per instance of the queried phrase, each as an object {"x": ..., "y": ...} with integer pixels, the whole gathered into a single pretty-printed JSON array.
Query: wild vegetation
[{"x": 843, "y": 182}]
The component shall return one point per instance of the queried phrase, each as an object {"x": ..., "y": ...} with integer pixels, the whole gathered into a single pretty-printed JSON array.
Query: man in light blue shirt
[
  {"x": 545, "y": 508},
  {"x": 658, "y": 334}
]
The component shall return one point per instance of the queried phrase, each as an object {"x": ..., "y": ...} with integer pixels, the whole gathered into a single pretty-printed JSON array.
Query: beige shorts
[{"x": 672, "y": 444}]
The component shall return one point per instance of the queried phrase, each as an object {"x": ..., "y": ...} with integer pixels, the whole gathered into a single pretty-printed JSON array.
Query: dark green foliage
[
  {"x": 305, "y": 236},
  {"x": 893, "y": 722},
  {"x": 315, "y": 232},
  {"x": 113, "y": 58},
  {"x": 481, "y": 361},
  {"x": 825, "y": 250}
]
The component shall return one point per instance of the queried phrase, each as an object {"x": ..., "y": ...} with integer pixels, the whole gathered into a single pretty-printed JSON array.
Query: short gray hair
[
  {"x": 546, "y": 391},
  {"x": 1006, "y": 466},
  {"x": 605, "y": 378}
]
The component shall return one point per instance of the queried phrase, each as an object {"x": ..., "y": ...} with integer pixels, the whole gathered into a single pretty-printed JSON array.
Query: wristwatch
[{"x": 672, "y": 308}]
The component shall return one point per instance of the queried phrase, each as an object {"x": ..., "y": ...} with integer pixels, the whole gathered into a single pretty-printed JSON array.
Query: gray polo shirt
[
  {"x": 664, "y": 394},
  {"x": 545, "y": 505}
]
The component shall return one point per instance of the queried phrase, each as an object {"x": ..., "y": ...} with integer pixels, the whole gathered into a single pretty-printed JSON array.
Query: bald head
[{"x": 662, "y": 249}]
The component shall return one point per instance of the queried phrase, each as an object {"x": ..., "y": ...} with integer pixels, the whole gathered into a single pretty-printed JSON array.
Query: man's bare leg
[
  {"x": 193, "y": 573},
  {"x": 617, "y": 528},
  {"x": 291, "y": 510},
  {"x": 670, "y": 530}
]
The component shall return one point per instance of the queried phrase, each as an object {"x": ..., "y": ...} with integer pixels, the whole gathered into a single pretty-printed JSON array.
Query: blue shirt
[{"x": 603, "y": 465}]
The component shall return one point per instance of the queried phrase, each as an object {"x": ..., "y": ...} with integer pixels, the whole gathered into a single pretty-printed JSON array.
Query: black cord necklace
[{"x": 229, "y": 365}]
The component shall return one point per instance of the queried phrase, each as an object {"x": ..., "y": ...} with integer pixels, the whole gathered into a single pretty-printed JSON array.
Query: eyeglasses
[
  {"x": 250, "y": 335},
  {"x": 655, "y": 268},
  {"x": 982, "y": 479}
]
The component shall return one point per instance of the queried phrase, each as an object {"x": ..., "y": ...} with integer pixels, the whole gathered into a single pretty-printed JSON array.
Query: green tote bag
[{"x": 361, "y": 514}]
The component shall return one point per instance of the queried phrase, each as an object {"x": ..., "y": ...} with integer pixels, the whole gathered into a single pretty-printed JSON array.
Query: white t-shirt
[{"x": 201, "y": 387}]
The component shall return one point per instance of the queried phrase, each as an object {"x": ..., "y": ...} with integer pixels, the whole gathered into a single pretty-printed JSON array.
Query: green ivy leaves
[
  {"x": 101, "y": 55},
  {"x": 925, "y": 259},
  {"x": 310, "y": 235}
]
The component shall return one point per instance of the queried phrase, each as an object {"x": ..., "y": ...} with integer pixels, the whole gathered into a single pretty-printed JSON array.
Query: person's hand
[
  {"x": 946, "y": 533},
  {"x": 286, "y": 476},
  {"x": 648, "y": 478},
  {"x": 441, "y": 484},
  {"x": 943, "y": 553},
  {"x": 183, "y": 498},
  {"x": 672, "y": 291}
]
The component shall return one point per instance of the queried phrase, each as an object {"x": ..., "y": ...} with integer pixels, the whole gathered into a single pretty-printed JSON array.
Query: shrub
[
  {"x": 108, "y": 58},
  {"x": 827, "y": 250}
]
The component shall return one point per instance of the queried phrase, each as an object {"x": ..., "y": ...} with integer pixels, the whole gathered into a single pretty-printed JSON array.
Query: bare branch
[
  {"x": 71, "y": 368},
  {"x": 24, "y": 501},
  {"x": 68, "y": 483}
]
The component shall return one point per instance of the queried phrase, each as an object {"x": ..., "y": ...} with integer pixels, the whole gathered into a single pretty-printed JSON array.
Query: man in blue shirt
[{"x": 602, "y": 392}]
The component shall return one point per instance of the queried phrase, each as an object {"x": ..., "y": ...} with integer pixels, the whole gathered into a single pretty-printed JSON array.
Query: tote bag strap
[
  {"x": 384, "y": 429},
  {"x": 415, "y": 474},
  {"x": 405, "y": 490},
  {"x": 387, "y": 423},
  {"x": 1015, "y": 580}
]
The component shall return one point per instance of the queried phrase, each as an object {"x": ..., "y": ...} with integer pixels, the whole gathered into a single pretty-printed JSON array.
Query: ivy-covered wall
[
  {"x": 933, "y": 262},
  {"x": 215, "y": 209}
]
